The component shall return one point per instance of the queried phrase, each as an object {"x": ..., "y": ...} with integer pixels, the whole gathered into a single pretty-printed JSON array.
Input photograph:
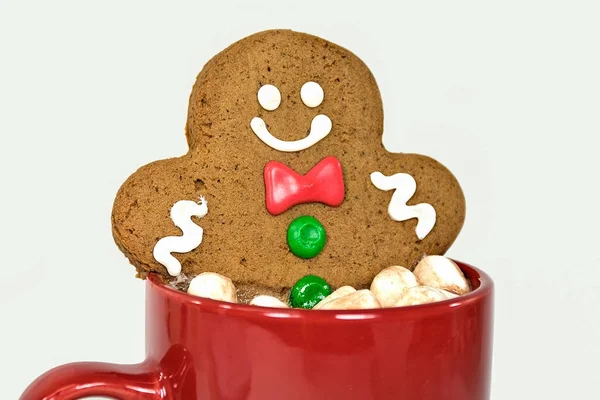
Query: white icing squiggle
[
  {"x": 405, "y": 187},
  {"x": 181, "y": 214},
  {"x": 319, "y": 128}
]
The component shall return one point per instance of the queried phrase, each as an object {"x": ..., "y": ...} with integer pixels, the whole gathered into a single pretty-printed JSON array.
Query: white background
[{"x": 506, "y": 94}]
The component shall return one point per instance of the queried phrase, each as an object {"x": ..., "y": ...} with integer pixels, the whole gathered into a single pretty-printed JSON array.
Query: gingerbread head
[{"x": 283, "y": 125}]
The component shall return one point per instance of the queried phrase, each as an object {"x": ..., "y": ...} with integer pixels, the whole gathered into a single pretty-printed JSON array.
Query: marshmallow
[
  {"x": 341, "y": 292},
  {"x": 420, "y": 295},
  {"x": 358, "y": 300},
  {"x": 390, "y": 283},
  {"x": 268, "y": 301},
  {"x": 213, "y": 286},
  {"x": 442, "y": 273}
]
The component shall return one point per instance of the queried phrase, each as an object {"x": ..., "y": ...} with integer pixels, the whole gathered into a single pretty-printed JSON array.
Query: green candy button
[
  {"x": 306, "y": 237},
  {"x": 308, "y": 291}
]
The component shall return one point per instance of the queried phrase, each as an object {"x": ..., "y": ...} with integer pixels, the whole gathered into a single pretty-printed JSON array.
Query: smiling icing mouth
[
  {"x": 319, "y": 128},
  {"x": 269, "y": 98}
]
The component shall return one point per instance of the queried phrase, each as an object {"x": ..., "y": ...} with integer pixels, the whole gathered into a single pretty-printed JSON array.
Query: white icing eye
[
  {"x": 269, "y": 97},
  {"x": 312, "y": 94}
]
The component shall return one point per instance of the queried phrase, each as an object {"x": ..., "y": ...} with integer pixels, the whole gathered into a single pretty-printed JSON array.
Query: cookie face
[{"x": 283, "y": 125}]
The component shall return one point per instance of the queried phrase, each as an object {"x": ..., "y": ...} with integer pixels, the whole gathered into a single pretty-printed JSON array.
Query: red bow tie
[{"x": 324, "y": 183}]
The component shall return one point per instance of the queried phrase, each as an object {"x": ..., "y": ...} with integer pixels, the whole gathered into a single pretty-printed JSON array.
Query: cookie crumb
[{"x": 181, "y": 282}]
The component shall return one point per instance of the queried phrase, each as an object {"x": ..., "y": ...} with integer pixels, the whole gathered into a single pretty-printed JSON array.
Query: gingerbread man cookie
[{"x": 286, "y": 176}]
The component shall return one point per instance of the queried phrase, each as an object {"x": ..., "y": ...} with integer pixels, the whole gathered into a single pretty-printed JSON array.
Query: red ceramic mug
[{"x": 204, "y": 349}]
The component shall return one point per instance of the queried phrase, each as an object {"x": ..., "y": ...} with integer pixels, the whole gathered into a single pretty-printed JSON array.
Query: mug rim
[{"x": 479, "y": 279}]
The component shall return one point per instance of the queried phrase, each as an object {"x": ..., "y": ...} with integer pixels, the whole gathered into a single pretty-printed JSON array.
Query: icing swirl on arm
[
  {"x": 181, "y": 214},
  {"x": 405, "y": 187}
]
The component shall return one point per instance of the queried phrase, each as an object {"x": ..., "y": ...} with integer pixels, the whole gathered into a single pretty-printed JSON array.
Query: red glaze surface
[
  {"x": 285, "y": 188},
  {"x": 204, "y": 349}
]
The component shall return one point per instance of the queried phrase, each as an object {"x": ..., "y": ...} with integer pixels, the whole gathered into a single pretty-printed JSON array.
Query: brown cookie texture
[{"x": 225, "y": 164}]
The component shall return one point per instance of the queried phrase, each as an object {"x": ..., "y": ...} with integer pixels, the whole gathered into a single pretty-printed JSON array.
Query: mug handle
[{"x": 142, "y": 381}]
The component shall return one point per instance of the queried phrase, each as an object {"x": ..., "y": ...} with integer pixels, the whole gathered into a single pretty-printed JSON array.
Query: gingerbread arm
[
  {"x": 420, "y": 188},
  {"x": 151, "y": 217}
]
